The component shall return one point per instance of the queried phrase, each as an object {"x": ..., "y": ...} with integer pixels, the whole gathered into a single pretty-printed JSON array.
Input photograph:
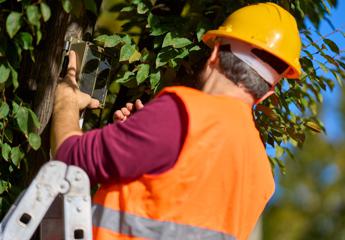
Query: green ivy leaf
[
  {"x": 8, "y": 134},
  {"x": 91, "y": 6},
  {"x": 155, "y": 79},
  {"x": 5, "y": 151},
  {"x": 142, "y": 8},
  {"x": 166, "y": 55},
  {"x": 14, "y": 76},
  {"x": 127, "y": 9},
  {"x": 129, "y": 53},
  {"x": 200, "y": 30},
  {"x": 127, "y": 39},
  {"x": 175, "y": 42},
  {"x": 143, "y": 72},
  {"x": 332, "y": 45},
  {"x": 16, "y": 156},
  {"x": 22, "y": 118},
  {"x": 109, "y": 41},
  {"x": 34, "y": 118},
  {"x": 33, "y": 14},
  {"x": 13, "y": 23},
  {"x": 67, "y": 5},
  {"x": 15, "y": 108},
  {"x": 156, "y": 27},
  {"x": 4, "y": 73},
  {"x": 38, "y": 36},
  {"x": 4, "y": 186},
  {"x": 25, "y": 40},
  {"x": 45, "y": 10},
  {"x": 125, "y": 78},
  {"x": 4, "y": 110},
  {"x": 34, "y": 141}
]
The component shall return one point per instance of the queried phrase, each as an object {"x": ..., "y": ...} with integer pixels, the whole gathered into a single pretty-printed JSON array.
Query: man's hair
[{"x": 240, "y": 72}]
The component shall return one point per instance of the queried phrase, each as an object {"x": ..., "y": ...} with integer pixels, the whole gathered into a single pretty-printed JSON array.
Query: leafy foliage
[
  {"x": 311, "y": 196},
  {"x": 170, "y": 44},
  {"x": 159, "y": 44}
]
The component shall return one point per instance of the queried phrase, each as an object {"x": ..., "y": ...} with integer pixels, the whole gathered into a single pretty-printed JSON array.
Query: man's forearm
[{"x": 65, "y": 122}]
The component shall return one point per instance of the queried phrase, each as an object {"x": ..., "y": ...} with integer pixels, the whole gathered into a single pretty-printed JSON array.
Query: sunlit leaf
[
  {"x": 34, "y": 141},
  {"x": 143, "y": 72},
  {"x": 109, "y": 41},
  {"x": 4, "y": 73},
  {"x": 14, "y": 76},
  {"x": 13, "y": 23},
  {"x": 67, "y": 5},
  {"x": 45, "y": 10},
  {"x": 338, "y": 78},
  {"x": 314, "y": 126},
  {"x": 4, "y": 186},
  {"x": 129, "y": 53},
  {"x": 142, "y": 8},
  {"x": 4, "y": 109},
  {"x": 279, "y": 151},
  {"x": 25, "y": 40},
  {"x": 323, "y": 67},
  {"x": 16, "y": 156},
  {"x": 154, "y": 79},
  {"x": 22, "y": 118},
  {"x": 34, "y": 118},
  {"x": 126, "y": 77},
  {"x": 5, "y": 151},
  {"x": 33, "y": 14},
  {"x": 175, "y": 42}
]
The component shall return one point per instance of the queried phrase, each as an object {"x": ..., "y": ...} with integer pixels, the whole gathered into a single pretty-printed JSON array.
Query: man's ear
[{"x": 213, "y": 59}]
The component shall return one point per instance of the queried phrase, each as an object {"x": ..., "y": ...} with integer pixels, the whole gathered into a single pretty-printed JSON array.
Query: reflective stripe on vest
[{"x": 135, "y": 226}]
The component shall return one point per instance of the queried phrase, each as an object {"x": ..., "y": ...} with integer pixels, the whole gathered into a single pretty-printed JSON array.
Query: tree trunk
[{"x": 44, "y": 73}]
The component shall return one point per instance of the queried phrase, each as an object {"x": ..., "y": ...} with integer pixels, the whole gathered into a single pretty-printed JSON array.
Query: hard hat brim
[{"x": 210, "y": 37}]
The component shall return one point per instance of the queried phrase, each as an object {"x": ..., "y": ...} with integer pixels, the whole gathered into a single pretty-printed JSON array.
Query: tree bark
[{"x": 44, "y": 73}]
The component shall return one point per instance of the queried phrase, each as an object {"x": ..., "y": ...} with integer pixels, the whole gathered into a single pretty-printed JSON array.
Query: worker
[{"x": 190, "y": 164}]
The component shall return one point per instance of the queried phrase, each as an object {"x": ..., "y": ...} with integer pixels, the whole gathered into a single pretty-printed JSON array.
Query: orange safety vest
[{"x": 217, "y": 189}]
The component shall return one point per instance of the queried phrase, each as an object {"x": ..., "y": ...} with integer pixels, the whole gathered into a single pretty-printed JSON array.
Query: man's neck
[{"x": 217, "y": 84}]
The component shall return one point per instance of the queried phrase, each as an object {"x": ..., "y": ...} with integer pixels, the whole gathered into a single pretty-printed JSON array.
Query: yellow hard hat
[{"x": 266, "y": 26}]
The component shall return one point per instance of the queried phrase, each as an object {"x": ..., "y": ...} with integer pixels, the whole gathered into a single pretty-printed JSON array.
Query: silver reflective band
[{"x": 136, "y": 226}]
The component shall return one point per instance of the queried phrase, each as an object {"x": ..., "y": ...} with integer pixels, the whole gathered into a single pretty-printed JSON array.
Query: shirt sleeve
[{"x": 148, "y": 142}]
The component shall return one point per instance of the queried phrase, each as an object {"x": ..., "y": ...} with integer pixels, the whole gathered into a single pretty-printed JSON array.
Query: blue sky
[{"x": 330, "y": 114}]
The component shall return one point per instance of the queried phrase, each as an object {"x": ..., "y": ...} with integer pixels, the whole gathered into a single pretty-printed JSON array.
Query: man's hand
[
  {"x": 125, "y": 112},
  {"x": 67, "y": 91},
  {"x": 69, "y": 100}
]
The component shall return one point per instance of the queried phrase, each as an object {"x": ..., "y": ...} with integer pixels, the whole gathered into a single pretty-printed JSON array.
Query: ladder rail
[{"x": 54, "y": 178}]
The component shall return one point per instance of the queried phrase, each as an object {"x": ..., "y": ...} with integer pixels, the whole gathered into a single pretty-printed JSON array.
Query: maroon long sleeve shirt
[{"x": 148, "y": 142}]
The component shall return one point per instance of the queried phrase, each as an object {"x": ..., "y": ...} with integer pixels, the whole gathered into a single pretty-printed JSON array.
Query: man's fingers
[
  {"x": 94, "y": 103},
  {"x": 72, "y": 67},
  {"x": 138, "y": 104},
  {"x": 129, "y": 106},
  {"x": 125, "y": 111},
  {"x": 118, "y": 116}
]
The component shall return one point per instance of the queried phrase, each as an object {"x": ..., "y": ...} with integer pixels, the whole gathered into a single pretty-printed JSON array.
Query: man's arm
[
  {"x": 67, "y": 105},
  {"x": 148, "y": 142}
]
